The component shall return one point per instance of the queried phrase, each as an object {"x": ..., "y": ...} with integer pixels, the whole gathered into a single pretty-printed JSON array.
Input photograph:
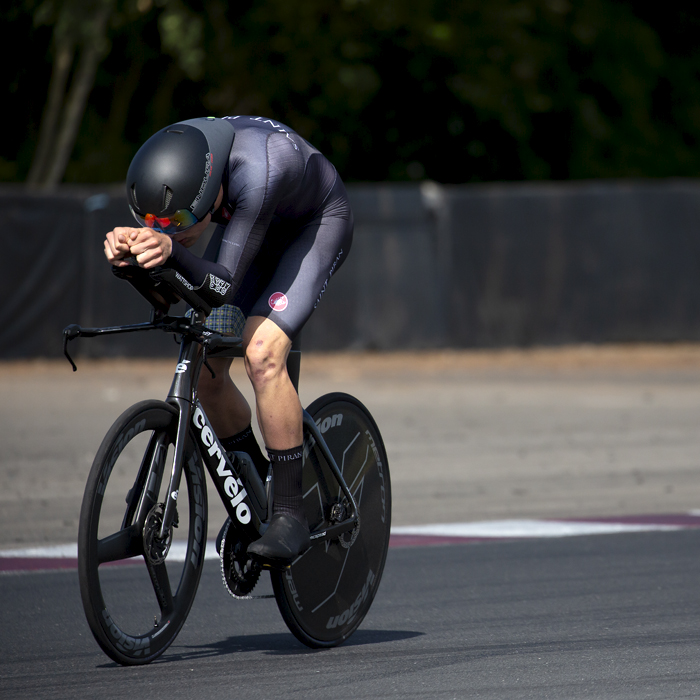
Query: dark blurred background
[
  {"x": 455, "y": 90},
  {"x": 522, "y": 171}
]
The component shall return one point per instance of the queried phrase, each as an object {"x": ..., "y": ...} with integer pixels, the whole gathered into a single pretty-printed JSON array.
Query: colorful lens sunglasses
[{"x": 181, "y": 220}]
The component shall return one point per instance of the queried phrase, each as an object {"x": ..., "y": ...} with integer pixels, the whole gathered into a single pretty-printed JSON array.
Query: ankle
[{"x": 287, "y": 471}]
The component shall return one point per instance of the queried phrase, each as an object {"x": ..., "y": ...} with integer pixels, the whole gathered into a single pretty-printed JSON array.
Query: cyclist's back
[{"x": 295, "y": 176}]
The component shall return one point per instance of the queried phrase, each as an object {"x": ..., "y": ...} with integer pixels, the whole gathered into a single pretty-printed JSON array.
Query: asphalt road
[
  {"x": 570, "y": 432},
  {"x": 605, "y": 617}
]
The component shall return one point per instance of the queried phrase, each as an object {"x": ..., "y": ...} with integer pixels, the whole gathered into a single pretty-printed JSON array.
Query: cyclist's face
[{"x": 189, "y": 237}]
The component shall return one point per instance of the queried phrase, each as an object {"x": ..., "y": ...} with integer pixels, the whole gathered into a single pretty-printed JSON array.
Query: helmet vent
[
  {"x": 174, "y": 131},
  {"x": 167, "y": 196}
]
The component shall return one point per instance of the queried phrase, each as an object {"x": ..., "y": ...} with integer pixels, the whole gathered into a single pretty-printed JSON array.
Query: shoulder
[{"x": 261, "y": 128}]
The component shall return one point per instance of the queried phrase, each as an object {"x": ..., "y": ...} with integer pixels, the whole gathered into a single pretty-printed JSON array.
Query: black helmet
[{"x": 174, "y": 178}]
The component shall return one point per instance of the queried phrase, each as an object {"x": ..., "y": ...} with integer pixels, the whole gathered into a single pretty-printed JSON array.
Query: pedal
[{"x": 271, "y": 566}]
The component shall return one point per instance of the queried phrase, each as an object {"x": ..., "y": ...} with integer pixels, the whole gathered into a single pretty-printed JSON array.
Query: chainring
[{"x": 239, "y": 571}]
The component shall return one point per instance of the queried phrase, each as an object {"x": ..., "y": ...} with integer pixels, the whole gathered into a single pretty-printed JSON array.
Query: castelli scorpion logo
[{"x": 218, "y": 285}]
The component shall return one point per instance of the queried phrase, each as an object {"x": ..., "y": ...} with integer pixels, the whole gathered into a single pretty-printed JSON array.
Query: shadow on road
[{"x": 278, "y": 644}]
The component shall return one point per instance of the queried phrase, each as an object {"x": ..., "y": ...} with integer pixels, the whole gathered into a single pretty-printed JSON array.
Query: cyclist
[{"x": 284, "y": 228}]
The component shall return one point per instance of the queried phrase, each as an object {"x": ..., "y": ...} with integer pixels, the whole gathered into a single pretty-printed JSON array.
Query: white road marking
[
  {"x": 70, "y": 551},
  {"x": 498, "y": 529},
  {"x": 491, "y": 529}
]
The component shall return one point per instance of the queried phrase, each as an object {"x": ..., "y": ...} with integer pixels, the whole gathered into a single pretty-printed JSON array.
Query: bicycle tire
[
  {"x": 326, "y": 593},
  {"x": 135, "y": 616}
]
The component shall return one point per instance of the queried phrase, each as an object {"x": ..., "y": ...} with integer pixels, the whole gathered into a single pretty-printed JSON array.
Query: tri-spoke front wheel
[{"x": 136, "y": 611}]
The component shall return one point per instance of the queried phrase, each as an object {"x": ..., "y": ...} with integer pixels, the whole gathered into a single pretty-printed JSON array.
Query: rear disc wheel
[{"x": 326, "y": 593}]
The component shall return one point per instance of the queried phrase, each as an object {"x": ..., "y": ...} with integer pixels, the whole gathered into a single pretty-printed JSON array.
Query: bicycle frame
[{"x": 235, "y": 485}]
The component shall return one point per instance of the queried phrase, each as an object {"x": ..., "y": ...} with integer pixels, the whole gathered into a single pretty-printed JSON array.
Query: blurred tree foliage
[{"x": 452, "y": 90}]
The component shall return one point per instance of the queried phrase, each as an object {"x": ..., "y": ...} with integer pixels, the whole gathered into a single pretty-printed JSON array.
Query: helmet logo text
[{"x": 208, "y": 168}]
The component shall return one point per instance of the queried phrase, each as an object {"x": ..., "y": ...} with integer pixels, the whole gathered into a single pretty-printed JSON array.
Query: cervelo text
[{"x": 233, "y": 487}]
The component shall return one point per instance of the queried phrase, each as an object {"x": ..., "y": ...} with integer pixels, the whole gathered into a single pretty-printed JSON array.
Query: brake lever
[
  {"x": 70, "y": 333},
  {"x": 205, "y": 346}
]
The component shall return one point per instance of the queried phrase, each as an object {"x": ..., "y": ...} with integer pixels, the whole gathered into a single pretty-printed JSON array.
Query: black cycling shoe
[
  {"x": 220, "y": 536},
  {"x": 284, "y": 540}
]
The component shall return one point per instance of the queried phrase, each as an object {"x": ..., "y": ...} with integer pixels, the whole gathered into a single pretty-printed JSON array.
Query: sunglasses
[{"x": 181, "y": 220}]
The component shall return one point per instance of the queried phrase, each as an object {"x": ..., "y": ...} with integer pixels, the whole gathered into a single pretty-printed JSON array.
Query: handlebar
[{"x": 162, "y": 288}]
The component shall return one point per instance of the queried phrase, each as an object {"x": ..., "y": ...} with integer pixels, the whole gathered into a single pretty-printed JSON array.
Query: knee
[
  {"x": 264, "y": 362},
  {"x": 266, "y": 350}
]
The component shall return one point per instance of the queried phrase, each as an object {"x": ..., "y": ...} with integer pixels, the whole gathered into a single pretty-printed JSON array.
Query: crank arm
[{"x": 333, "y": 532}]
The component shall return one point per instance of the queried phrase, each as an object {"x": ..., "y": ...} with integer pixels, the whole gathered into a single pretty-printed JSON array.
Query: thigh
[
  {"x": 278, "y": 238},
  {"x": 300, "y": 277}
]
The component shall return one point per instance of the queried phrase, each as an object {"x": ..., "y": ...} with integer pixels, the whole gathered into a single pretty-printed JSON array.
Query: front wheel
[
  {"x": 326, "y": 593},
  {"x": 135, "y": 612}
]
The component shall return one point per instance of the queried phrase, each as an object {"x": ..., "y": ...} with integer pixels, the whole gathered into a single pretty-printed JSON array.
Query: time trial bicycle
[{"x": 146, "y": 501}]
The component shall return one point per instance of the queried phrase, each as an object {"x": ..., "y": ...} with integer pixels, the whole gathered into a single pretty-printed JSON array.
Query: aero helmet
[{"x": 174, "y": 178}]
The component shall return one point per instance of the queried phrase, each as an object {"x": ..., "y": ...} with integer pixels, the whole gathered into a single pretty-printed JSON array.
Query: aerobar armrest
[
  {"x": 160, "y": 296},
  {"x": 186, "y": 291}
]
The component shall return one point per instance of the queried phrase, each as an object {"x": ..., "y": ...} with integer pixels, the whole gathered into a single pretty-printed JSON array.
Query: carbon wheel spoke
[
  {"x": 161, "y": 586},
  {"x": 124, "y": 544}
]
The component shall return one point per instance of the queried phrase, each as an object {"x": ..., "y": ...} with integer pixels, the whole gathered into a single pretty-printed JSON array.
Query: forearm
[
  {"x": 197, "y": 271},
  {"x": 193, "y": 268}
]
